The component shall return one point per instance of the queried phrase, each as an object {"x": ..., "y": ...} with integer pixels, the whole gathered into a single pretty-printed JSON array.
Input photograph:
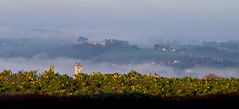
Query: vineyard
[
  {"x": 51, "y": 83},
  {"x": 132, "y": 90}
]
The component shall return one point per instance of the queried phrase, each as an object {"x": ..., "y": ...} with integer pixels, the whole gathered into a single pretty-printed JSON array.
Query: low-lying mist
[
  {"x": 65, "y": 65},
  {"x": 168, "y": 59}
]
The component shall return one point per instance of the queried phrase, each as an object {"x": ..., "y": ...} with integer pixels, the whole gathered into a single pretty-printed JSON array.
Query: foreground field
[
  {"x": 132, "y": 89},
  {"x": 119, "y": 101}
]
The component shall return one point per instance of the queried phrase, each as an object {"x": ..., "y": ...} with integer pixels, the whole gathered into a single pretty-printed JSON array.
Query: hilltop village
[{"x": 172, "y": 53}]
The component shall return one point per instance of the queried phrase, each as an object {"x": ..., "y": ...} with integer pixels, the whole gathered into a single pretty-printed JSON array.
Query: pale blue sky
[{"x": 126, "y": 19}]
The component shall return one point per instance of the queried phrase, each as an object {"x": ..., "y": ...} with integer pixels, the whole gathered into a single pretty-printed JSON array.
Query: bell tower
[{"x": 78, "y": 68}]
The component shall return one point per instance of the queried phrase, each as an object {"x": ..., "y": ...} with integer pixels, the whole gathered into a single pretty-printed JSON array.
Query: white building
[{"x": 78, "y": 68}]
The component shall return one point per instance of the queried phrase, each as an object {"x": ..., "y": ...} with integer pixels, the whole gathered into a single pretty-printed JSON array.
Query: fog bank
[{"x": 65, "y": 66}]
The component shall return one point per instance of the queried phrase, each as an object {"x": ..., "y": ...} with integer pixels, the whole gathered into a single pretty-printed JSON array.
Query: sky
[{"x": 139, "y": 21}]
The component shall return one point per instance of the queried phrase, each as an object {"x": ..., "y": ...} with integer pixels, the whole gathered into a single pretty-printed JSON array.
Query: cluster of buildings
[{"x": 86, "y": 41}]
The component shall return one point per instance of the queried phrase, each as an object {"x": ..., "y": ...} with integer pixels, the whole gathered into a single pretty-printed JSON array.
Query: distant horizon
[
  {"x": 39, "y": 33},
  {"x": 134, "y": 20}
]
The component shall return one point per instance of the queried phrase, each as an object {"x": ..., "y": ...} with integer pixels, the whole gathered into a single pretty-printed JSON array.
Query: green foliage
[
  {"x": 52, "y": 83},
  {"x": 5, "y": 73}
]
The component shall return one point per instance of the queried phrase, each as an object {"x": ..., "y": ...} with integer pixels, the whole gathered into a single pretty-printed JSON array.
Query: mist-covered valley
[
  {"x": 167, "y": 58},
  {"x": 186, "y": 38}
]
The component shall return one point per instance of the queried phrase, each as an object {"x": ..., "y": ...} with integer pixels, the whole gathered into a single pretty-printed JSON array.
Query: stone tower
[{"x": 78, "y": 68}]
